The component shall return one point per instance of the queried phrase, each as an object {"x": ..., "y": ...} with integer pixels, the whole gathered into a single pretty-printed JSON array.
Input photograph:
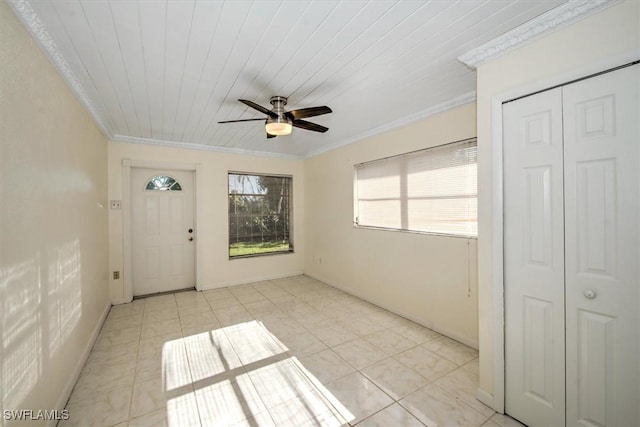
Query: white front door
[
  {"x": 602, "y": 186},
  {"x": 163, "y": 230},
  {"x": 572, "y": 253},
  {"x": 534, "y": 259}
]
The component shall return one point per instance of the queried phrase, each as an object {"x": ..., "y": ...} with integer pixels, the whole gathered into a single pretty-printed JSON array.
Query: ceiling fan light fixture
[{"x": 278, "y": 126}]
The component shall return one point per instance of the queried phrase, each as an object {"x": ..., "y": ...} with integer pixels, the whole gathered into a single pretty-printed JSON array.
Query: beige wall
[
  {"x": 596, "y": 43},
  {"x": 423, "y": 277},
  {"x": 215, "y": 268},
  {"x": 53, "y": 259}
]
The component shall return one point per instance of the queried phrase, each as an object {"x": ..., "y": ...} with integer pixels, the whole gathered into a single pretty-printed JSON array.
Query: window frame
[
  {"x": 290, "y": 215},
  {"x": 356, "y": 223}
]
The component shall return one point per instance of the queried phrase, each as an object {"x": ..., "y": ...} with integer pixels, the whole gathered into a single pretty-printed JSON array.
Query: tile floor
[{"x": 287, "y": 352}]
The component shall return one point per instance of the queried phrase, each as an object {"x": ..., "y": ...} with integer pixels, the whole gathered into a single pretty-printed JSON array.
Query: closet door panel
[
  {"x": 534, "y": 259},
  {"x": 602, "y": 186}
]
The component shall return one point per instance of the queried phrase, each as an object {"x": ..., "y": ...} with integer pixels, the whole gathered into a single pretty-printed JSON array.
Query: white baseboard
[
  {"x": 487, "y": 399},
  {"x": 66, "y": 392},
  {"x": 218, "y": 285},
  {"x": 225, "y": 284},
  {"x": 424, "y": 322}
]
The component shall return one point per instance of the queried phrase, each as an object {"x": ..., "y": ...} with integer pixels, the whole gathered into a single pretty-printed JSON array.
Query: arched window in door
[{"x": 163, "y": 183}]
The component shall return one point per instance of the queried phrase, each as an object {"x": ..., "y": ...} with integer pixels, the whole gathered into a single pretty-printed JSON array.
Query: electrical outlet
[
  {"x": 115, "y": 204},
  {"x": 116, "y": 275}
]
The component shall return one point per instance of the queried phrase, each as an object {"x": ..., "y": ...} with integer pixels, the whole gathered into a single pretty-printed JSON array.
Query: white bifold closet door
[
  {"x": 534, "y": 259},
  {"x": 602, "y": 247},
  {"x": 572, "y": 253}
]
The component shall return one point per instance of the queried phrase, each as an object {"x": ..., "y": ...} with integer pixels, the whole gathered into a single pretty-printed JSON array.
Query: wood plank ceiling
[{"x": 168, "y": 71}]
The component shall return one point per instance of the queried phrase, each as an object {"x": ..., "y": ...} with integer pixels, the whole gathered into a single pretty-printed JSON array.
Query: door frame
[
  {"x": 127, "y": 164},
  {"x": 497, "y": 399}
]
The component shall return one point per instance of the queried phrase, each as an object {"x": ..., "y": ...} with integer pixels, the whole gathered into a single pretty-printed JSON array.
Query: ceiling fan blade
[
  {"x": 308, "y": 112},
  {"x": 241, "y": 120},
  {"x": 303, "y": 124},
  {"x": 270, "y": 136},
  {"x": 258, "y": 107}
]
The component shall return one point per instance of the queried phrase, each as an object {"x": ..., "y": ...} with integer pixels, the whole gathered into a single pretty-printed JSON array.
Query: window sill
[
  {"x": 231, "y": 258},
  {"x": 427, "y": 233}
]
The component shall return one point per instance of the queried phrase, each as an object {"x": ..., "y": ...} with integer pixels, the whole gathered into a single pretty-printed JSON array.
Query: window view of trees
[{"x": 259, "y": 214}]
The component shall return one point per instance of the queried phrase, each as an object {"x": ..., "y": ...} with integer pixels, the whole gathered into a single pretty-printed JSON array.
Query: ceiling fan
[{"x": 280, "y": 122}]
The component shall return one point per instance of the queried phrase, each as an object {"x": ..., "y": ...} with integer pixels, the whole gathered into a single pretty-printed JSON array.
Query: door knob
[
  {"x": 190, "y": 230},
  {"x": 190, "y": 239},
  {"x": 589, "y": 294}
]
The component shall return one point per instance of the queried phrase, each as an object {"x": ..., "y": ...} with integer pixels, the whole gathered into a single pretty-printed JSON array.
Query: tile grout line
[
  {"x": 135, "y": 367},
  {"x": 318, "y": 302}
]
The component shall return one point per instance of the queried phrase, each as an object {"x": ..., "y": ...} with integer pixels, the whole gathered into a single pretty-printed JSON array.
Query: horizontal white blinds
[{"x": 433, "y": 190}]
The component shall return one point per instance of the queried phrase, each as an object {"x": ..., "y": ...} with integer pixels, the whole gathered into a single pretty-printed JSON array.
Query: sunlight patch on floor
[{"x": 242, "y": 374}]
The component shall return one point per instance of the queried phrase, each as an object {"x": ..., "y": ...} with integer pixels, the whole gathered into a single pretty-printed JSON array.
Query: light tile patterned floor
[{"x": 287, "y": 352}]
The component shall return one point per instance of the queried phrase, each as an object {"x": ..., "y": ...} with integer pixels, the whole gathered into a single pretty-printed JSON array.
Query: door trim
[
  {"x": 127, "y": 164},
  {"x": 497, "y": 399}
]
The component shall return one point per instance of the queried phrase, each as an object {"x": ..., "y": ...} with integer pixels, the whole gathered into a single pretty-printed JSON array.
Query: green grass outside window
[{"x": 244, "y": 249}]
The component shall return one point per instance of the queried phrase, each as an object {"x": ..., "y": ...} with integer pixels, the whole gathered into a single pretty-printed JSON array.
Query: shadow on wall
[{"x": 41, "y": 305}]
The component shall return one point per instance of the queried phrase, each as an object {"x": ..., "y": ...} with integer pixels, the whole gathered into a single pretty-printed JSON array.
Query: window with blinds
[{"x": 431, "y": 191}]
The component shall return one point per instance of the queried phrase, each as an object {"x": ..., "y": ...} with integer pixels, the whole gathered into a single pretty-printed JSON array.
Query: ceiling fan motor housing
[
  {"x": 285, "y": 123},
  {"x": 278, "y": 103}
]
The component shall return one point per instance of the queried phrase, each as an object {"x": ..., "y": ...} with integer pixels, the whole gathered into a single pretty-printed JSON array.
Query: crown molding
[
  {"x": 559, "y": 17},
  {"x": 404, "y": 121},
  {"x": 201, "y": 147},
  {"x": 30, "y": 19}
]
